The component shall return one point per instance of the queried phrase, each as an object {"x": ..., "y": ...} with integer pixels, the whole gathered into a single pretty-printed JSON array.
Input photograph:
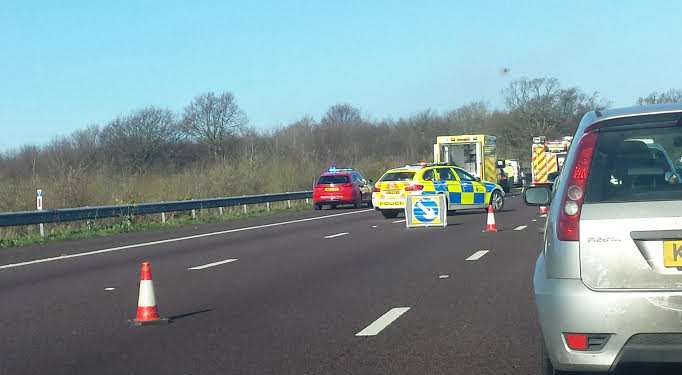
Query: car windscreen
[
  {"x": 398, "y": 176},
  {"x": 634, "y": 165},
  {"x": 333, "y": 179}
]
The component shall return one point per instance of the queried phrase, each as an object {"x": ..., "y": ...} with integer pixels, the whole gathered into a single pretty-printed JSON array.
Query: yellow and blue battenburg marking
[{"x": 461, "y": 193}]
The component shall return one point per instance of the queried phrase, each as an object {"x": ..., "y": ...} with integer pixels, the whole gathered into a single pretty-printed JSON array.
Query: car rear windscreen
[
  {"x": 398, "y": 176},
  {"x": 634, "y": 165},
  {"x": 328, "y": 180}
]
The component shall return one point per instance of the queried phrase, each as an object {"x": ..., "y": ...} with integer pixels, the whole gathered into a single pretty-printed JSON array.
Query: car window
[
  {"x": 355, "y": 177},
  {"x": 428, "y": 175},
  {"x": 398, "y": 176},
  {"x": 446, "y": 174},
  {"x": 333, "y": 179},
  {"x": 464, "y": 175},
  {"x": 636, "y": 165}
]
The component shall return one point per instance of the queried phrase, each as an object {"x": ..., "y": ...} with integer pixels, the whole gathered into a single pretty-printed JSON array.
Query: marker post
[{"x": 39, "y": 207}]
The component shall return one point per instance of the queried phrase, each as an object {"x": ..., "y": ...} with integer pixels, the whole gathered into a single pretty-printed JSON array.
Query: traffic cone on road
[
  {"x": 543, "y": 210},
  {"x": 147, "y": 313},
  {"x": 490, "y": 225}
]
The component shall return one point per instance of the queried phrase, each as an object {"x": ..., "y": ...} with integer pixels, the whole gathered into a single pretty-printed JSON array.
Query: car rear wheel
[
  {"x": 497, "y": 200},
  {"x": 390, "y": 214},
  {"x": 317, "y": 206},
  {"x": 358, "y": 203}
]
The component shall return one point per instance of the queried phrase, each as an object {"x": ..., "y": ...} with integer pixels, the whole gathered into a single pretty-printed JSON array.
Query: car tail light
[
  {"x": 576, "y": 341},
  {"x": 414, "y": 187},
  {"x": 376, "y": 189},
  {"x": 568, "y": 226}
]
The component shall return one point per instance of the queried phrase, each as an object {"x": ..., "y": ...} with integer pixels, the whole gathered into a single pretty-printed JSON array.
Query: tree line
[{"x": 210, "y": 149}]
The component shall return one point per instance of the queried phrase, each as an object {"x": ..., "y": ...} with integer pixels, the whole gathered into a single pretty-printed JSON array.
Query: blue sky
[{"x": 65, "y": 65}]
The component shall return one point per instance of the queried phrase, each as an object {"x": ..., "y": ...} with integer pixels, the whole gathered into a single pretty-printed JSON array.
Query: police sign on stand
[{"x": 426, "y": 211}]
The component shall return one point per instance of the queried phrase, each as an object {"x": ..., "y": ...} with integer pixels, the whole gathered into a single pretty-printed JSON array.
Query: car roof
[
  {"x": 594, "y": 117},
  {"x": 335, "y": 174}
]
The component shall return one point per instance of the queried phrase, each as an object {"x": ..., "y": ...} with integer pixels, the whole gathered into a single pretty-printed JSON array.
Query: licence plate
[
  {"x": 393, "y": 192},
  {"x": 672, "y": 253},
  {"x": 331, "y": 189}
]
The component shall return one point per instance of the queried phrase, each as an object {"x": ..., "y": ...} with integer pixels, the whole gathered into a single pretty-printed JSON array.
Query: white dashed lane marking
[
  {"x": 521, "y": 227},
  {"x": 212, "y": 264},
  {"x": 336, "y": 235},
  {"x": 477, "y": 255},
  {"x": 378, "y": 325}
]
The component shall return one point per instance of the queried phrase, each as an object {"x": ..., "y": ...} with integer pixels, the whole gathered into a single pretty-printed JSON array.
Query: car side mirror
[{"x": 537, "y": 196}]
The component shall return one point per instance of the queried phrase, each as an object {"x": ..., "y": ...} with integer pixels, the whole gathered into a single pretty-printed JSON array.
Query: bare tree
[
  {"x": 211, "y": 119},
  {"x": 342, "y": 114},
  {"x": 140, "y": 140},
  {"x": 670, "y": 96}
]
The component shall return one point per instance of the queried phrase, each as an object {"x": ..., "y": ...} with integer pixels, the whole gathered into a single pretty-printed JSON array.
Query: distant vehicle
[
  {"x": 338, "y": 186},
  {"x": 526, "y": 176},
  {"x": 461, "y": 189},
  {"x": 608, "y": 283},
  {"x": 547, "y": 157},
  {"x": 476, "y": 154}
]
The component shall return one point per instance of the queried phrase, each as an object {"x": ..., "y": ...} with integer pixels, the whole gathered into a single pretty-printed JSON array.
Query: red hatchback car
[{"x": 342, "y": 186}]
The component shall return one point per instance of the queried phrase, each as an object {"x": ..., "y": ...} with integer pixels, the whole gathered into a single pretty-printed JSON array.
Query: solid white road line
[
  {"x": 378, "y": 325},
  {"x": 477, "y": 255},
  {"x": 521, "y": 227},
  {"x": 212, "y": 264},
  {"x": 336, "y": 235},
  {"x": 170, "y": 240},
  {"x": 109, "y": 289},
  {"x": 399, "y": 221}
]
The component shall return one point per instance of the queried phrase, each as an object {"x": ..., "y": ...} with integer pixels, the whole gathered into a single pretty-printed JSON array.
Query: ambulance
[
  {"x": 547, "y": 157},
  {"x": 476, "y": 154}
]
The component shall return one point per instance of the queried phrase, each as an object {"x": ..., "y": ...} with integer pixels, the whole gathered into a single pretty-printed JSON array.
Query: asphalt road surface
[{"x": 331, "y": 292}]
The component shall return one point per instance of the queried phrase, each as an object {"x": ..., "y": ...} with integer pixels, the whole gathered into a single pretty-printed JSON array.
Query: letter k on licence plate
[{"x": 672, "y": 253}]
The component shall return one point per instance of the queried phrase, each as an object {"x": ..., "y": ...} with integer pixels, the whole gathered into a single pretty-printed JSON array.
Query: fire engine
[{"x": 547, "y": 157}]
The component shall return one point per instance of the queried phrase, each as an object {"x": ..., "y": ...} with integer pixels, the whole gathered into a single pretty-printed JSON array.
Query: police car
[{"x": 461, "y": 189}]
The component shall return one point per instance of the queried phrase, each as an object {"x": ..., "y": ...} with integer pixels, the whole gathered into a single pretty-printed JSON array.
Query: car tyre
[
  {"x": 389, "y": 214},
  {"x": 317, "y": 207},
  {"x": 497, "y": 201},
  {"x": 358, "y": 203}
]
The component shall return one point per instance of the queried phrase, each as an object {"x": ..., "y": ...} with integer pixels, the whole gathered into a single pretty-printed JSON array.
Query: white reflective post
[{"x": 39, "y": 207}]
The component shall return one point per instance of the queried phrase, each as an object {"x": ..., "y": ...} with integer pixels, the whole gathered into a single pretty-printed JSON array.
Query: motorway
[{"x": 330, "y": 292}]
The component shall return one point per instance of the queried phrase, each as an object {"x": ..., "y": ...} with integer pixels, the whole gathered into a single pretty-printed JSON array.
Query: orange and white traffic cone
[
  {"x": 147, "y": 313},
  {"x": 543, "y": 210},
  {"x": 490, "y": 225}
]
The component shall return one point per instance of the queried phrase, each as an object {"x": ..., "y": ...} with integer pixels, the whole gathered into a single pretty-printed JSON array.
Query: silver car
[{"x": 608, "y": 283}]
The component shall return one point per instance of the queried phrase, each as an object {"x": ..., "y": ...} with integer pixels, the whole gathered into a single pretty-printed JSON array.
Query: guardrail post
[
  {"x": 163, "y": 217},
  {"x": 245, "y": 209},
  {"x": 194, "y": 214},
  {"x": 267, "y": 204},
  {"x": 289, "y": 204},
  {"x": 307, "y": 201},
  {"x": 220, "y": 209}
]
